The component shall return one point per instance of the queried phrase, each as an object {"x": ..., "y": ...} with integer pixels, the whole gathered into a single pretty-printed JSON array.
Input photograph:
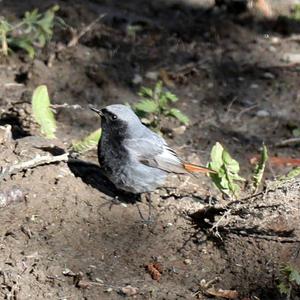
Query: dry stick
[
  {"x": 66, "y": 105},
  {"x": 30, "y": 164},
  {"x": 75, "y": 39},
  {"x": 289, "y": 141},
  {"x": 77, "y": 36}
]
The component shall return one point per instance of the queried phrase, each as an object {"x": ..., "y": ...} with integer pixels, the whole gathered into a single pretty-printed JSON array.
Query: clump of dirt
[{"x": 63, "y": 233}]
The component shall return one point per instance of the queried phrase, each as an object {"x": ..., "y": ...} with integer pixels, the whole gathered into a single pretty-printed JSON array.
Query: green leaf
[
  {"x": 174, "y": 112},
  {"x": 145, "y": 92},
  {"x": 283, "y": 288},
  {"x": 227, "y": 171},
  {"x": 25, "y": 45},
  {"x": 170, "y": 96},
  {"x": 157, "y": 91},
  {"x": 231, "y": 164},
  {"x": 296, "y": 132},
  {"x": 88, "y": 143},
  {"x": 147, "y": 106},
  {"x": 291, "y": 175},
  {"x": 42, "y": 112},
  {"x": 260, "y": 168},
  {"x": 216, "y": 157},
  {"x": 294, "y": 276}
]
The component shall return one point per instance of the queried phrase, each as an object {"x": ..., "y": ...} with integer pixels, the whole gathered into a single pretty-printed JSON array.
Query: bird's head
[{"x": 119, "y": 119}]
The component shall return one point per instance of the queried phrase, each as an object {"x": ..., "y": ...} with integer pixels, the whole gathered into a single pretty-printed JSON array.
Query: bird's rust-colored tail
[{"x": 197, "y": 169}]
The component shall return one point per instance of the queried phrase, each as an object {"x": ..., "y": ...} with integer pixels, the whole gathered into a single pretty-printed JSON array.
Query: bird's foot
[
  {"x": 112, "y": 201},
  {"x": 150, "y": 219}
]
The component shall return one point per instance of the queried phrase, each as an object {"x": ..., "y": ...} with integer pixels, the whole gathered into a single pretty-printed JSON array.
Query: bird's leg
[
  {"x": 149, "y": 199},
  {"x": 149, "y": 220}
]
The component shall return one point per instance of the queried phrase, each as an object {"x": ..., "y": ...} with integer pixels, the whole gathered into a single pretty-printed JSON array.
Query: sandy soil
[{"x": 61, "y": 234}]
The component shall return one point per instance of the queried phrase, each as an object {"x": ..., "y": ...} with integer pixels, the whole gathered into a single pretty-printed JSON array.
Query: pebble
[
  {"x": 187, "y": 261},
  {"x": 179, "y": 130},
  {"x": 262, "y": 113},
  {"x": 254, "y": 86},
  {"x": 137, "y": 79},
  {"x": 152, "y": 75},
  {"x": 129, "y": 290},
  {"x": 268, "y": 75}
]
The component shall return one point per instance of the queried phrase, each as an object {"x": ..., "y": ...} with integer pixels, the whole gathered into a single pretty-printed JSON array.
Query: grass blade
[
  {"x": 260, "y": 168},
  {"x": 88, "y": 143}
]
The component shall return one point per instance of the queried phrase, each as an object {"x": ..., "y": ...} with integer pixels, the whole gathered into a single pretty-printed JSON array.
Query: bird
[{"x": 133, "y": 157}]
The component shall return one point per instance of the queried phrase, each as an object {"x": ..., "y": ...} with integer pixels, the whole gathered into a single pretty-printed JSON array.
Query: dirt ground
[{"x": 65, "y": 238}]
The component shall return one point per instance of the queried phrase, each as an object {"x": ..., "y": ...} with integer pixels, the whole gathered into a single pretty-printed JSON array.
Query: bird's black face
[{"x": 112, "y": 125}]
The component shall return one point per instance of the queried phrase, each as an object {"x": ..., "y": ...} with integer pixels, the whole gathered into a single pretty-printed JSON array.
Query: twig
[
  {"x": 77, "y": 36},
  {"x": 238, "y": 117},
  {"x": 66, "y": 105},
  {"x": 35, "y": 162},
  {"x": 288, "y": 141}
]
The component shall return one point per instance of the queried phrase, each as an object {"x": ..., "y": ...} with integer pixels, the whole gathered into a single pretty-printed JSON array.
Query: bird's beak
[{"x": 98, "y": 111}]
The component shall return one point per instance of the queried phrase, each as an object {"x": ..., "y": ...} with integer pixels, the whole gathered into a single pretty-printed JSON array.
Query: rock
[
  {"x": 268, "y": 75},
  {"x": 137, "y": 79},
  {"x": 187, "y": 261},
  {"x": 179, "y": 130},
  {"x": 129, "y": 290},
  {"x": 262, "y": 113},
  {"x": 152, "y": 75}
]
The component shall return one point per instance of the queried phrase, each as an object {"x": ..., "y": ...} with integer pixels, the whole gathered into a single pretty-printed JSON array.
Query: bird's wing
[{"x": 154, "y": 152}]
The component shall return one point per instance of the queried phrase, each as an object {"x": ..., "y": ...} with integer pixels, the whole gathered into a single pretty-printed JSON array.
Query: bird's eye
[{"x": 114, "y": 117}]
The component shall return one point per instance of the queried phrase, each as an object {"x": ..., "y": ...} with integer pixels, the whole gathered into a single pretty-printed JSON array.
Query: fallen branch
[
  {"x": 30, "y": 164},
  {"x": 288, "y": 142}
]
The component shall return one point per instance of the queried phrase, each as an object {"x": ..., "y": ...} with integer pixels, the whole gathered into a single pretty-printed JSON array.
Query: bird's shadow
[{"x": 93, "y": 175}]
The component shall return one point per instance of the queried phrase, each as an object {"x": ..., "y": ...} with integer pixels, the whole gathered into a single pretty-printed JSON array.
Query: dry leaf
[
  {"x": 154, "y": 270},
  {"x": 166, "y": 78}
]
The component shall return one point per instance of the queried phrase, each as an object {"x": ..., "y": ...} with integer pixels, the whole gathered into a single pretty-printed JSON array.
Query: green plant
[
  {"x": 33, "y": 31},
  {"x": 87, "y": 143},
  {"x": 42, "y": 112},
  {"x": 289, "y": 281},
  {"x": 260, "y": 168},
  {"x": 295, "y": 15},
  {"x": 227, "y": 170},
  {"x": 157, "y": 102},
  {"x": 290, "y": 175},
  {"x": 44, "y": 116}
]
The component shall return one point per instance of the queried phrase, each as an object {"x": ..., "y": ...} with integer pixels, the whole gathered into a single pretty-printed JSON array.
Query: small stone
[
  {"x": 210, "y": 85},
  {"x": 268, "y": 75},
  {"x": 262, "y": 113},
  {"x": 275, "y": 40},
  {"x": 179, "y": 130},
  {"x": 137, "y": 79},
  {"x": 108, "y": 290},
  {"x": 254, "y": 86},
  {"x": 129, "y": 290},
  {"x": 187, "y": 261},
  {"x": 152, "y": 75},
  {"x": 99, "y": 280}
]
